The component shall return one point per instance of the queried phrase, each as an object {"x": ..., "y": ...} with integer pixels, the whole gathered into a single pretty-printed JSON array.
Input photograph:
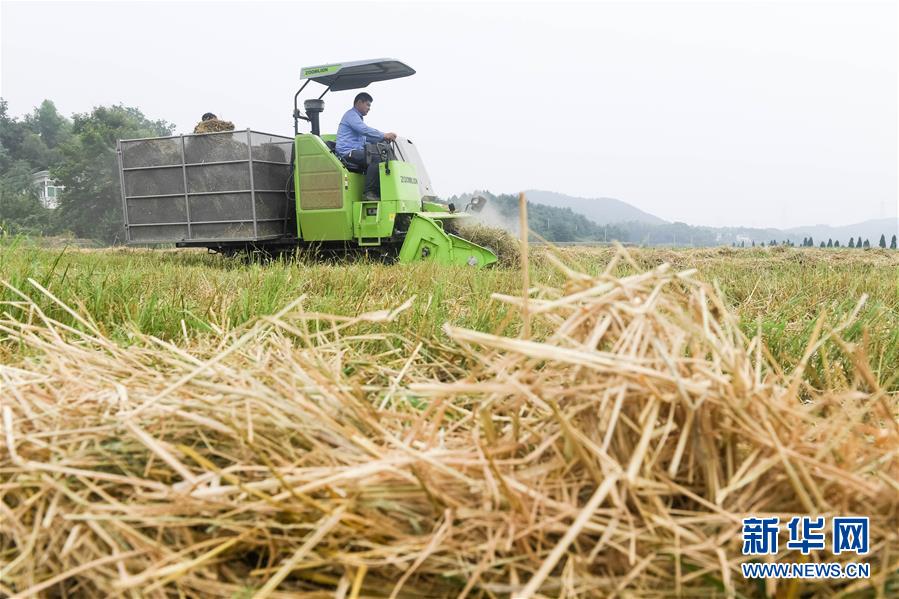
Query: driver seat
[{"x": 350, "y": 166}]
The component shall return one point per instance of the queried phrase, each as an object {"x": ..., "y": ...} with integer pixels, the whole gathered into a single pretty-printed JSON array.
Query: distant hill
[
  {"x": 638, "y": 226},
  {"x": 558, "y": 217},
  {"x": 603, "y": 211},
  {"x": 678, "y": 233}
]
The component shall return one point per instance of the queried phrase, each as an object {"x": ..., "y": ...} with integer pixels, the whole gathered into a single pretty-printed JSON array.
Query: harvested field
[{"x": 315, "y": 447}]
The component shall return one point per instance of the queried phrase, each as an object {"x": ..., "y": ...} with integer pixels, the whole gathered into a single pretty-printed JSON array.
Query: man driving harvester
[{"x": 357, "y": 143}]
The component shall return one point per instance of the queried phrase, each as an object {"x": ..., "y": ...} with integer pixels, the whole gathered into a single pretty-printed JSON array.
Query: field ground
[
  {"x": 173, "y": 294},
  {"x": 180, "y": 424}
]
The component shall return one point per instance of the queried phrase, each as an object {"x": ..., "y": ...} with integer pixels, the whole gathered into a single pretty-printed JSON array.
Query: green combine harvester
[{"x": 239, "y": 191}]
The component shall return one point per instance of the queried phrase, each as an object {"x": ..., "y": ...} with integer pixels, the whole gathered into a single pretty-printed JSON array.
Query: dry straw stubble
[{"x": 308, "y": 453}]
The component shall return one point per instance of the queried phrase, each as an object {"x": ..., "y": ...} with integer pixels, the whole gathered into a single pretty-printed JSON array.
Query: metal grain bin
[{"x": 211, "y": 187}]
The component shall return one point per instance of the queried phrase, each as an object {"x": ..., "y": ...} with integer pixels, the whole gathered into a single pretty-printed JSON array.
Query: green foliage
[
  {"x": 27, "y": 146},
  {"x": 893, "y": 243},
  {"x": 52, "y": 128},
  {"x": 883, "y": 241},
  {"x": 91, "y": 205},
  {"x": 35, "y": 139},
  {"x": 11, "y": 134},
  {"x": 80, "y": 155},
  {"x": 675, "y": 234},
  {"x": 20, "y": 209}
]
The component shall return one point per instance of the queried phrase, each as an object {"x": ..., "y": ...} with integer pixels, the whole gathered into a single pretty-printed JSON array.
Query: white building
[{"x": 47, "y": 189}]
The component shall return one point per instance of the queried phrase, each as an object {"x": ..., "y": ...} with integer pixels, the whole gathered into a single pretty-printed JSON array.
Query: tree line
[
  {"x": 810, "y": 242},
  {"x": 80, "y": 154}
]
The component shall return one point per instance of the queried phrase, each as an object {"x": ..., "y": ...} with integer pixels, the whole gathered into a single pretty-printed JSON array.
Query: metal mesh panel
[
  {"x": 270, "y": 205},
  {"x": 215, "y": 192},
  {"x": 161, "y": 233},
  {"x": 216, "y": 147},
  {"x": 227, "y": 206},
  {"x": 270, "y": 176},
  {"x": 156, "y": 210},
  {"x": 218, "y": 177},
  {"x": 270, "y": 229},
  {"x": 151, "y": 152},
  {"x": 223, "y": 231},
  {"x": 157, "y": 181},
  {"x": 270, "y": 147},
  {"x": 237, "y": 231}
]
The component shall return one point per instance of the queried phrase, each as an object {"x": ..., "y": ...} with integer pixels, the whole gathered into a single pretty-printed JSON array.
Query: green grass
[{"x": 155, "y": 291}]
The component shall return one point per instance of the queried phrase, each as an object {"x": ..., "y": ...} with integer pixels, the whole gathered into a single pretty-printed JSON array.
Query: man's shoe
[{"x": 371, "y": 196}]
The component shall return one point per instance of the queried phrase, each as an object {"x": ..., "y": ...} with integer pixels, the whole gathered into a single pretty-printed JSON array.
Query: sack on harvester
[{"x": 212, "y": 124}]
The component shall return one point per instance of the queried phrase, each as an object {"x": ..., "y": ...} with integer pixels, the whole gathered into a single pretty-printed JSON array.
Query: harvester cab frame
[
  {"x": 327, "y": 210},
  {"x": 342, "y": 77},
  {"x": 357, "y": 75}
]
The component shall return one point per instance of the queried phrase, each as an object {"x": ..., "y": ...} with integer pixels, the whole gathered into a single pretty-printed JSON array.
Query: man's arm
[{"x": 358, "y": 126}]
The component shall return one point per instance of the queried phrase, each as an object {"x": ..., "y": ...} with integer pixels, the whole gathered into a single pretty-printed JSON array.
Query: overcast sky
[{"x": 724, "y": 113}]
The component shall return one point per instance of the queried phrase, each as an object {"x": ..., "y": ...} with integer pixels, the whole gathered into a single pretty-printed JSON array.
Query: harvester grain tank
[{"x": 240, "y": 190}]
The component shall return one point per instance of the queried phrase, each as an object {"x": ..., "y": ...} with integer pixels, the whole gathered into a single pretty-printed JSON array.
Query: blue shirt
[{"x": 352, "y": 134}]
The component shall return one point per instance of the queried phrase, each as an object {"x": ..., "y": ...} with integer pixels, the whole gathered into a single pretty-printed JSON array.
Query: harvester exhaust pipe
[{"x": 314, "y": 107}]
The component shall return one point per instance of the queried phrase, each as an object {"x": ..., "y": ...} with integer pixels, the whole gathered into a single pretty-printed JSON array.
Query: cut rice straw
[{"x": 617, "y": 453}]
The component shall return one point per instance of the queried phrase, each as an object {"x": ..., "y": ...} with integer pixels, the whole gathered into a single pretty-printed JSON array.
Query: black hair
[
  {"x": 208, "y": 117},
  {"x": 362, "y": 97}
]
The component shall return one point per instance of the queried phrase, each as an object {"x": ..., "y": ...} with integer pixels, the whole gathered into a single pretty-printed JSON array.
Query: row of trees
[
  {"x": 810, "y": 242},
  {"x": 853, "y": 242},
  {"x": 80, "y": 154}
]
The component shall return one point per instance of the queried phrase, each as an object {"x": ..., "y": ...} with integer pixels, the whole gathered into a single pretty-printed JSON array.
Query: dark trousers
[{"x": 370, "y": 161}]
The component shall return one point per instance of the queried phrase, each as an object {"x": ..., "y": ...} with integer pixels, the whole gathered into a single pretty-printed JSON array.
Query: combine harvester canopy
[{"x": 242, "y": 190}]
